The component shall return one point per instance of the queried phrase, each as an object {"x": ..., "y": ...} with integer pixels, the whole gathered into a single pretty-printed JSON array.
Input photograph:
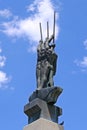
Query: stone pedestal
[
  {"x": 43, "y": 124},
  {"x": 41, "y": 105},
  {"x": 40, "y": 109}
]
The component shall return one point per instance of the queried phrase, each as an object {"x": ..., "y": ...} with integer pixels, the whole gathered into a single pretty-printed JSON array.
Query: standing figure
[
  {"x": 46, "y": 60},
  {"x": 52, "y": 59},
  {"x": 40, "y": 56}
]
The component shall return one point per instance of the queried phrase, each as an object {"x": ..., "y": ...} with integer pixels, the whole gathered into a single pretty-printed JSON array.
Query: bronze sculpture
[
  {"x": 46, "y": 60},
  {"x": 42, "y": 100}
]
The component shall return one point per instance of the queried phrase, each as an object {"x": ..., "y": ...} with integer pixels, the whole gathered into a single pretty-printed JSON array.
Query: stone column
[{"x": 41, "y": 111}]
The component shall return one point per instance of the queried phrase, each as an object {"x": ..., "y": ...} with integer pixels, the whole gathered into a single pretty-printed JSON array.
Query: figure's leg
[
  {"x": 43, "y": 79},
  {"x": 44, "y": 74},
  {"x": 51, "y": 82},
  {"x": 38, "y": 71}
]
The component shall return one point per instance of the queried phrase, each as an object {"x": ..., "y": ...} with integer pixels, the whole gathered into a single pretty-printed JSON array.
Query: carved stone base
[
  {"x": 43, "y": 124},
  {"x": 40, "y": 109}
]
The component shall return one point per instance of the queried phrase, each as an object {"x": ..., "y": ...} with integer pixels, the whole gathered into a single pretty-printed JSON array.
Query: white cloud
[
  {"x": 5, "y": 13},
  {"x": 82, "y": 64},
  {"x": 2, "y": 61},
  {"x": 32, "y": 48},
  {"x": 40, "y": 11},
  {"x": 85, "y": 44},
  {"x": 4, "y": 79}
]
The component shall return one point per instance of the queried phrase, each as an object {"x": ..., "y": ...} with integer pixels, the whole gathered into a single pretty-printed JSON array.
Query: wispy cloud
[
  {"x": 39, "y": 11},
  {"x": 85, "y": 44},
  {"x": 5, "y": 13},
  {"x": 2, "y": 61},
  {"x": 82, "y": 63},
  {"x": 4, "y": 78},
  {"x": 0, "y": 50}
]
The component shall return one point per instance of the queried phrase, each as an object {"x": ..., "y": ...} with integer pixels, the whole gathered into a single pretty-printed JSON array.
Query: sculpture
[
  {"x": 42, "y": 100},
  {"x": 46, "y": 60}
]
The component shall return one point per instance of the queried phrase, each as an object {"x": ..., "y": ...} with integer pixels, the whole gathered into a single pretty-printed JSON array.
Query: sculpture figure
[{"x": 46, "y": 60}]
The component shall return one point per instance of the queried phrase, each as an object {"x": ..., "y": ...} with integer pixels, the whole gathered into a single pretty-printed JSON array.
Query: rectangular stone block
[
  {"x": 43, "y": 124},
  {"x": 38, "y": 108}
]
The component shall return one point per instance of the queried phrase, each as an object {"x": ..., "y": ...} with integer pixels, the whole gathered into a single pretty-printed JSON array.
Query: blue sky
[{"x": 19, "y": 36}]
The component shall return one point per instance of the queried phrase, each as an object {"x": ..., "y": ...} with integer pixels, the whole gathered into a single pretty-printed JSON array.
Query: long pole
[
  {"x": 47, "y": 30},
  {"x": 41, "y": 32},
  {"x": 54, "y": 28}
]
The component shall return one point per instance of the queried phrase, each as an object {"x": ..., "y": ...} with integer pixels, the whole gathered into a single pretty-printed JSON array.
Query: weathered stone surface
[
  {"x": 50, "y": 94},
  {"x": 43, "y": 124},
  {"x": 40, "y": 109}
]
